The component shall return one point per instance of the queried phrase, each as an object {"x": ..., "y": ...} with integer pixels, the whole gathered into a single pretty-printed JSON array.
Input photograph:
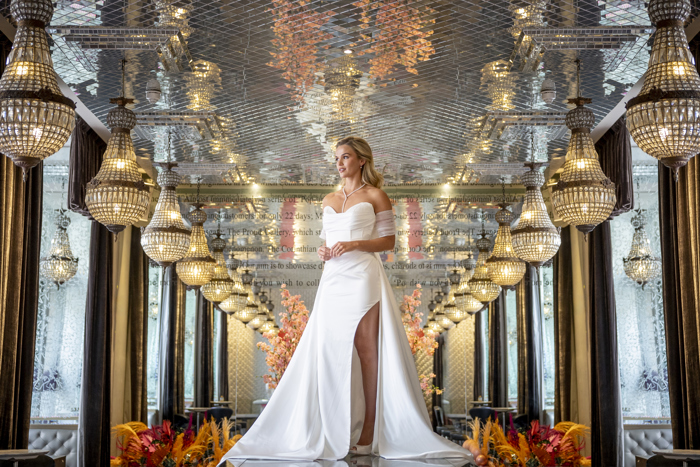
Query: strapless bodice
[{"x": 356, "y": 223}]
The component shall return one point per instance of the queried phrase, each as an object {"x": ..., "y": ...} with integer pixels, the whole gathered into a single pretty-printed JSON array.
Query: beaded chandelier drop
[
  {"x": 117, "y": 196},
  {"x": 503, "y": 266},
  {"x": 220, "y": 287},
  {"x": 664, "y": 119},
  {"x": 166, "y": 239},
  {"x": 60, "y": 266},
  {"x": 584, "y": 197},
  {"x": 196, "y": 268},
  {"x": 535, "y": 239},
  {"x": 36, "y": 119},
  {"x": 482, "y": 287},
  {"x": 640, "y": 264}
]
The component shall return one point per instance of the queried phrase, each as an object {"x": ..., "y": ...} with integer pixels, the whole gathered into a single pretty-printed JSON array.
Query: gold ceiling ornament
[
  {"x": 503, "y": 266},
  {"x": 482, "y": 287},
  {"x": 664, "y": 119},
  {"x": 584, "y": 197},
  {"x": 60, "y": 266},
  {"x": 641, "y": 265},
  {"x": 166, "y": 239},
  {"x": 36, "y": 119},
  {"x": 499, "y": 83},
  {"x": 201, "y": 84},
  {"x": 220, "y": 287},
  {"x": 117, "y": 197},
  {"x": 535, "y": 239},
  {"x": 341, "y": 80},
  {"x": 196, "y": 268}
]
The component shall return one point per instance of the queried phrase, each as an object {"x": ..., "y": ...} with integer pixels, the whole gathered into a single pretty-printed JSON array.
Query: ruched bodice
[{"x": 356, "y": 223}]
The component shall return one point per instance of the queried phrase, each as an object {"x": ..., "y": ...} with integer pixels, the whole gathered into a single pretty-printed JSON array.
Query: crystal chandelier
[
  {"x": 166, "y": 239},
  {"x": 664, "y": 119},
  {"x": 434, "y": 326},
  {"x": 466, "y": 301},
  {"x": 246, "y": 313},
  {"x": 443, "y": 320},
  {"x": 535, "y": 239},
  {"x": 36, "y": 120},
  {"x": 60, "y": 266},
  {"x": 117, "y": 196},
  {"x": 584, "y": 197},
  {"x": 468, "y": 264},
  {"x": 527, "y": 15},
  {"x": 503, "y": 266},
  {"x": 267, "y": 326},
  {"x": 454, "y": 313},
  {"x": 499, "y": 83},
  {"x": 174, "y": 14},
  {"x": 342, "y": 78},
  {"x": 205, "y": 77},
  {"x": 220, "y": 287},
  {"x": 234, "y": 302},
  {"x": 196, "y": 268},
  {"x": 259, "y": 317},
  {"x": 640, "y": 264},
  {"x": 482, "y": 287}
]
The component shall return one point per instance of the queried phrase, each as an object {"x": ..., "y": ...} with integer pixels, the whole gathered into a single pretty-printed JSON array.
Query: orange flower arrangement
[
  {"x": 401, "y": 37},
  {"x": 298, "y": 32}
]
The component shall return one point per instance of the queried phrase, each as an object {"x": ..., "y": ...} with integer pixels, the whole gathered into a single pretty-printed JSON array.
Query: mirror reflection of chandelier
[
  {"x": 174, "y": 14},
  {"x": 201, "y": 83},
  {"x": 527, "y": 15},
  {"x": 500, "y": 84},
  {"x": 342, "y": 78},
  {"x": 640, "y": 264},
  {"x": 60, "y": 266}
]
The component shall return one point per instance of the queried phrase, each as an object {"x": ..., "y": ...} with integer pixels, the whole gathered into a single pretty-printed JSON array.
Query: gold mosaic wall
[
  {"x": 459, "y": 365},
  {"x": 241, "y": 365}
]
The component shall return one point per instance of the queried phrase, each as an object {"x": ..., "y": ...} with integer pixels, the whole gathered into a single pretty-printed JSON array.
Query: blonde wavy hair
[{"x": 370, "y": 175}]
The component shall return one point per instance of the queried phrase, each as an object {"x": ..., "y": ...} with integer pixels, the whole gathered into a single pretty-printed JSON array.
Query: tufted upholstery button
[
  {"x": 641, "y": 440},
  {"x": 59, "y": 440}
]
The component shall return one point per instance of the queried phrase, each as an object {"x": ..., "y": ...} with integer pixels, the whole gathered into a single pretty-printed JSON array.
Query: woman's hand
[
  {"x": 324, "y": 253},
  {"x": 343, "y": 247}
]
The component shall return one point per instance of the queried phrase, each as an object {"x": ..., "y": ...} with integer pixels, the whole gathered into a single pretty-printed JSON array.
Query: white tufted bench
[
  {"x": 60, "y": 440},
  {"x": 641, "y": 440}
]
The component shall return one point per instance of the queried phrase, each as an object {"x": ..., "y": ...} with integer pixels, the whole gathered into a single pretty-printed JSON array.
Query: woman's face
[{"x": 347, "y": 161}]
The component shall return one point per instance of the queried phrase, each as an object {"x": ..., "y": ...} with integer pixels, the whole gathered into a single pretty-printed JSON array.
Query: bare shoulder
[
  {"x": 380, "y": 200},
  {"x": 328, "y": 199}
]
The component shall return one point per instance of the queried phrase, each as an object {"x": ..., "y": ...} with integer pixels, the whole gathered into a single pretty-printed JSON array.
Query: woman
[{"x": 352, "y": 384}]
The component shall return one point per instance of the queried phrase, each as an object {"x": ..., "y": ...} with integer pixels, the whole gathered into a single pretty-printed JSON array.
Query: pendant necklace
[{"x": 346, "y": 196}]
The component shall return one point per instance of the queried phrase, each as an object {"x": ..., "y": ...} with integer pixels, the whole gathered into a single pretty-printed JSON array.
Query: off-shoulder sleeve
[{"x": 385, "y": 224}]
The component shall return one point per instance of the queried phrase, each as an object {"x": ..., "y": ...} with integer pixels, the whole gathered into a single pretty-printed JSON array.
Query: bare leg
[{"x": 366, "y": 344}]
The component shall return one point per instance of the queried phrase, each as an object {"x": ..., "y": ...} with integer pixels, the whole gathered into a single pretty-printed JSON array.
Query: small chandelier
[
  {"x": 258, "y": 318},
  {"x": 117, "y": 196},
  {"x": 60, "y": 266},
  {"x": 342, "y": 78},
  {"x": 664, "y": 119},
  {"x": 220, "y": 287},
  {"x": 232, "y": 264},
  {"x": 500, "y": 85},
  {"x": 36, "y": 119},
  {"x": 196, "y": 268},
  {"x": 443, "y": 320},
  {"x": 584, "y": 197},
  {"x": 640, "y": 264},
  {"x": 466, "y": 301},
  {"x": 503, "y": 266},
  {"x": 234, "y": 302},
  {"x": 468, "y": 264},
  {"x": 201, "y": 83},
  {"x": 247, "y": 312},
  {"x": 535, "y": 239},
  {"x": 434, "y": 326},
  {"x": 267, "y": 326},
  {"x": 166, "y": 239},
  {"x": 454, "y": 313},
  {"x": 482, "y": 287}
]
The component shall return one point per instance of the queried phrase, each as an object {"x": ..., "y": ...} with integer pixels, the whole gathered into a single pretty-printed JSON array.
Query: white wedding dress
[{"x": 317, "y": 410}]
